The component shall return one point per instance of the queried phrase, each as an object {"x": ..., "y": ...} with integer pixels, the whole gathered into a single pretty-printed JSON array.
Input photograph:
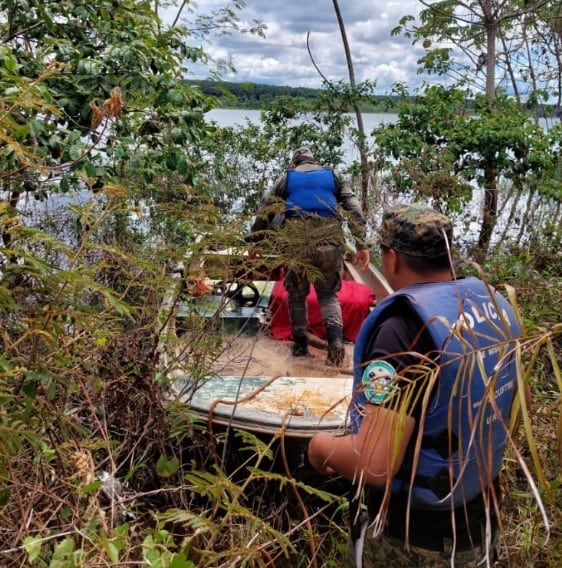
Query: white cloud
[{"x": 282, "y": 58}]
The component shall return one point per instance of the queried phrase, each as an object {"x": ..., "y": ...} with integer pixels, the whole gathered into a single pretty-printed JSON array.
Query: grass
[{"x": 189, "y": 497}]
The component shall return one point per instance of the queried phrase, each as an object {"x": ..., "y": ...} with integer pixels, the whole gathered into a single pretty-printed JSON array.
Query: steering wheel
[{"x": 245, "y": 295}]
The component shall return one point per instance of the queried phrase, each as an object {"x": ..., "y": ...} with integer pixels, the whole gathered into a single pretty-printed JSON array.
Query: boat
[{"x": 231, "y": 361}]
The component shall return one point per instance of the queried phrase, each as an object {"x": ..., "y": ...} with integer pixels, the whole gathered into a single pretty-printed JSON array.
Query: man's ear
[{"x": 394, "y": 261}]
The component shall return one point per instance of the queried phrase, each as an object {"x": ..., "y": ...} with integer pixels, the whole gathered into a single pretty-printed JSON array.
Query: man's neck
[{"x": 411, "y": 278}]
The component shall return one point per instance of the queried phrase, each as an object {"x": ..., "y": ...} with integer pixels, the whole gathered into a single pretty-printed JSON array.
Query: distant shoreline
[
  {"x": 367, "y": 110},
  {"x": 253, "y": 96}
]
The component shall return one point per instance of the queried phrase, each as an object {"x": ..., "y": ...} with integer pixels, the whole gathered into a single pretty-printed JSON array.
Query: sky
[{"x": 282, "y": 58}]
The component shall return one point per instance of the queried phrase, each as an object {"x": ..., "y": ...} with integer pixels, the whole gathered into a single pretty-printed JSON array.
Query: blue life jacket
[
  {"x": 311, "y": 192},
  {"x": 466, "y": 422}
]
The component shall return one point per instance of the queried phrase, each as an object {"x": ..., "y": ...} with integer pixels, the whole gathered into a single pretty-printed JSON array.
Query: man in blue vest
[
  {"x": 435, "y": 376},
  {"x": 313, "y": 244}
]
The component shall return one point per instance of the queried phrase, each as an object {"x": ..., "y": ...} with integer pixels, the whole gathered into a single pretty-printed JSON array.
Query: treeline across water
[
  {"x": 256, "y": 96},
  {"x": 246, "y": 95}
]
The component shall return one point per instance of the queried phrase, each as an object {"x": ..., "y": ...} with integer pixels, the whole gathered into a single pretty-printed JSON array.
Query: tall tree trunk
[
  {"x": 490, "y": 213},
  {"x": 362, "y": 142}
]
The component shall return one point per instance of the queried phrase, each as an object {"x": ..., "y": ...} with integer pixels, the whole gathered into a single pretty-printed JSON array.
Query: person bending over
[{"x": 312, "y": 239}]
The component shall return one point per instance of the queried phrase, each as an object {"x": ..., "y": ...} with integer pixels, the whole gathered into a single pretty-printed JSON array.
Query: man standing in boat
[
  {"x": 435, "y": 376},
  {"x": 312, "y": 241}
]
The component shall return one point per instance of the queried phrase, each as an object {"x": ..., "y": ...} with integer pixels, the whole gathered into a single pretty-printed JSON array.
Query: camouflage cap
[
  {"x": 302, "y": 155},
  {"x": 416, "y": 230}
]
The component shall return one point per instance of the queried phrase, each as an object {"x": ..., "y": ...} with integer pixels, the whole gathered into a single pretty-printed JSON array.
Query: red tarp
[{"x": 355, "y": 298}]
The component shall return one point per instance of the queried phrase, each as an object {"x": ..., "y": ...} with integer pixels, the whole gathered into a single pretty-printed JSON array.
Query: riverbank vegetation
[
  {"x": 259, "y": 97},
  {"x": 111, "y": 176}
]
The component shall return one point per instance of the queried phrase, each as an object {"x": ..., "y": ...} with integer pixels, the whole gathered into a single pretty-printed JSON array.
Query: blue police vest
[
  {"x": 311, "y": 192},
  {"x": 466, "y": 421}
]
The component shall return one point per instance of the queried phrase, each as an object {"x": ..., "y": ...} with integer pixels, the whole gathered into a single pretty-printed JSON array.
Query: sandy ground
[{"x": 261, "y": 355}]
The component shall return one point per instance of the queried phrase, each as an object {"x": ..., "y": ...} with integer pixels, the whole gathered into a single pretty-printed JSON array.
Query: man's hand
[{"x": 362, "y": 259}]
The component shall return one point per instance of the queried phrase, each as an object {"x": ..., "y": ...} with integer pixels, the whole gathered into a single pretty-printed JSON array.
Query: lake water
[
  {"x": 233, "y": 117},
  {"x": 239, "y": 117}
]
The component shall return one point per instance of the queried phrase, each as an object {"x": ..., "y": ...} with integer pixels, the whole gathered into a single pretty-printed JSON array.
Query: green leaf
[
  {"x": 180, "y": 561},
  {"x": 10, "y": 64},
  {"x": 63, "y": 554},
  {"x": 112, "y": 551},
  {"x": 32, "y": 546},
  {"x": 74, "y": 152},
  {"x": 64, "y": 184},
  {"x": 167, "y": 467},
  {"x": 91, "y": 487}
]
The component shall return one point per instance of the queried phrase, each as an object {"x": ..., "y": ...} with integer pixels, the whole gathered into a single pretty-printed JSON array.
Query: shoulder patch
[{"x": 379, "y": 382}]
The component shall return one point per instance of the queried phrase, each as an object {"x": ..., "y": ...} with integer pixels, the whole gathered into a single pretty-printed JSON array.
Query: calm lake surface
[
  {"x": 240, "y": 117},
  {"x": 233, "y": 117}
]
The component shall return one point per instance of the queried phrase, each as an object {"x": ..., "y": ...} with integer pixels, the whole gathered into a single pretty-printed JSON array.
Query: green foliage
[
  {"x": 117, "y": 105},
  {"x": 97, "y": 465},
  {"x": 417, "y": 154},
  {"x": 257, "y": 96},
  {"x": 82, "y": 394},
  {"x": 445, "y": 141},
  {"x": 517, "y": 39}
]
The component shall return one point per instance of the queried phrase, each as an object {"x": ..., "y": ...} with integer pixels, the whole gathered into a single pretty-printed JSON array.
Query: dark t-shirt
[{"x": 402, "y": 341}]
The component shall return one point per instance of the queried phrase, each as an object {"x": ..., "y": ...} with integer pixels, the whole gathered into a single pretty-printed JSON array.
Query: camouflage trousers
[
  {"x": 388, "y": 552},
  {"x": 322, "y": 265}
]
